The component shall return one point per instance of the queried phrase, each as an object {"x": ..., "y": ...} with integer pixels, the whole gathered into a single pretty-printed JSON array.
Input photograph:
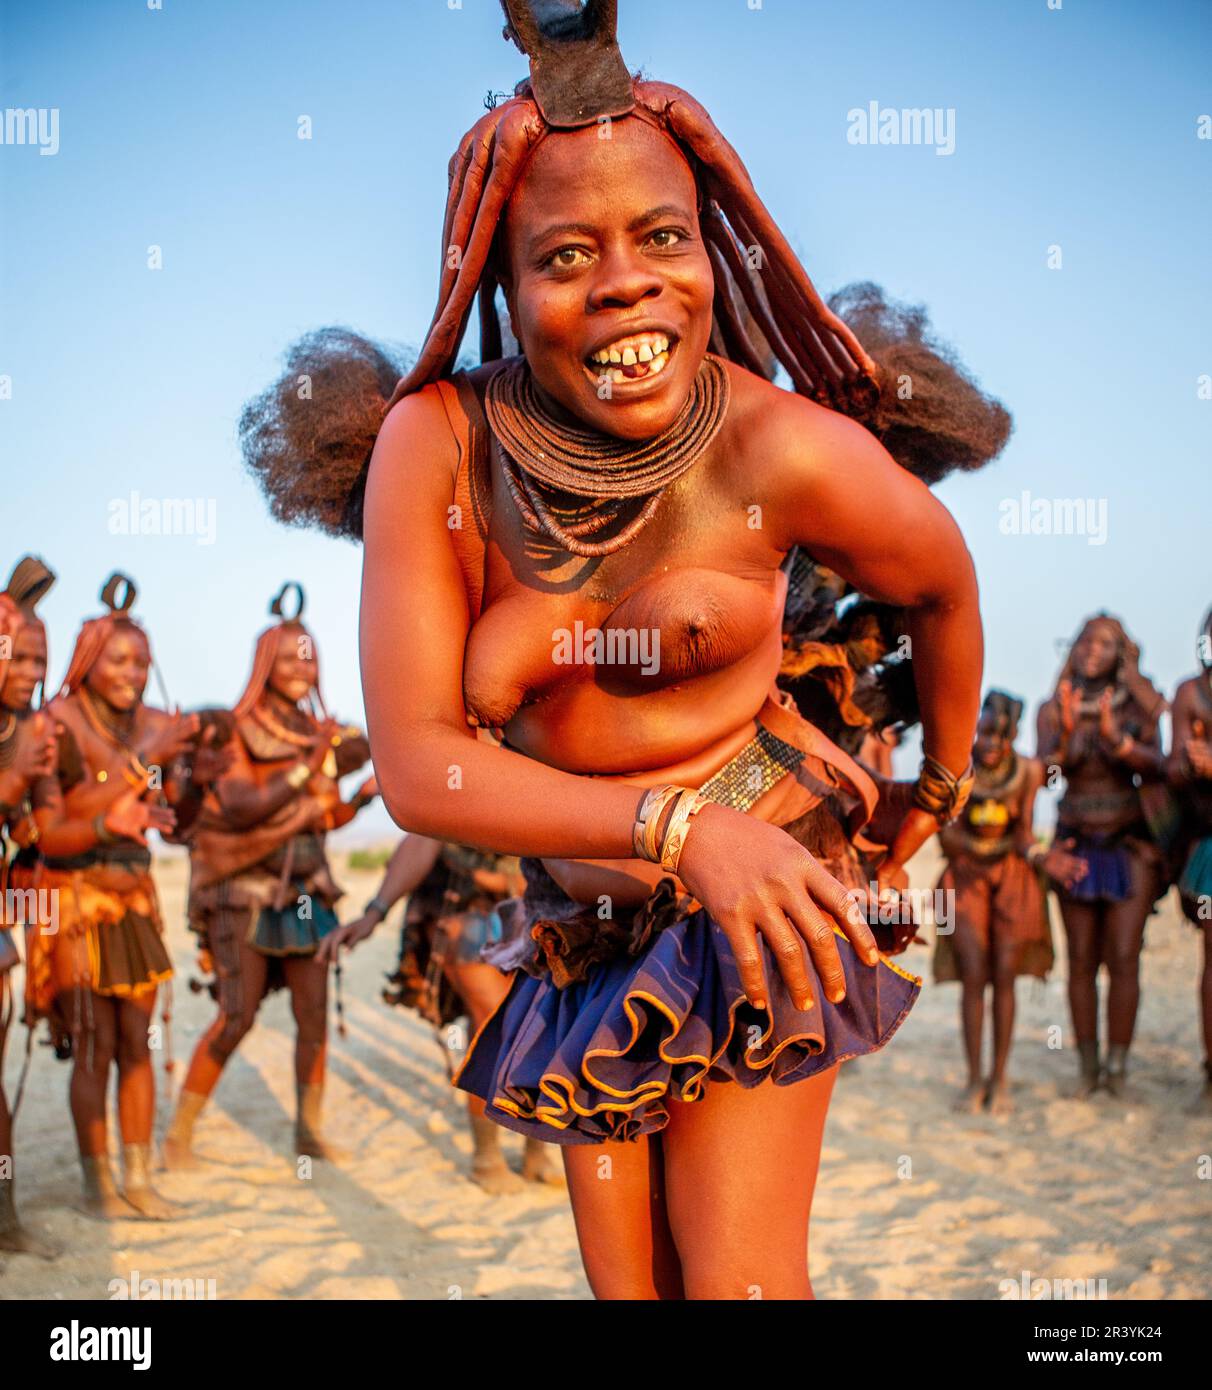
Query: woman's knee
[
  {"x": 311, "y": 1017},
  {"x": 228, "y": 1032}
]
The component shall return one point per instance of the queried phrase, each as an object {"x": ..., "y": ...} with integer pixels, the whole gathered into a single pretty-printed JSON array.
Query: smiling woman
[
  {"x": 119, "y": 768},
  {"x": 689, "y": 931}
]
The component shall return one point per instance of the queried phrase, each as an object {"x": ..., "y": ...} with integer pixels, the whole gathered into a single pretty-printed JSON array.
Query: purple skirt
[
  {"x": 600, "y": 1058},
  {"x": 1108, "y": 870}
]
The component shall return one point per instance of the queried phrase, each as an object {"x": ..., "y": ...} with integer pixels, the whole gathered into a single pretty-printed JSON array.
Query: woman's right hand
[
  {"x": 754, "y": 879},
  {"x": 130, "y": 818},
  {"x": 34, "y": 756},
  {"x": 1062, "y": 866},
  {"x": 322, "y": 744}
]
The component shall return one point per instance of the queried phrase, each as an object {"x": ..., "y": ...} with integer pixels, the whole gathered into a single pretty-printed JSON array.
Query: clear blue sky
[{"x": 1074, "y": 127}]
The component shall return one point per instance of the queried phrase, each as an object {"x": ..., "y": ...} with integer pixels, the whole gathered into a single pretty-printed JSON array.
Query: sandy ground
[{"x": 914, "y": 1201}]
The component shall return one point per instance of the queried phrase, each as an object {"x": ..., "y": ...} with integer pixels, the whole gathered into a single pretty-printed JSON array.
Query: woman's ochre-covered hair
[
  {"x": 861, "y": 354},
  {"x": 118, "y": 594},
  {"x": 30, "y": 582},
  {"x": 1005, "y": 710},
  {"x": 269, "y": 644}
]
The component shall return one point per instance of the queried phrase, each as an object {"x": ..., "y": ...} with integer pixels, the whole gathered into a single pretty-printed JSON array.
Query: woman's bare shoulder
[{"x": 416, "y": 452}]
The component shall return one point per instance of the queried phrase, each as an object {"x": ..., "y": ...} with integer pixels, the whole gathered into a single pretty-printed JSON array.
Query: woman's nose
[{"x": 623, "y": 280}]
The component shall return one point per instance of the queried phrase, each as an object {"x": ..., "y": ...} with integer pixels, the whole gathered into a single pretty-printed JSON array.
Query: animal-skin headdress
[
  {"x": 578, "y": 78},
  {"x": 30, "y": 582},
  {"x": 118, "y": 594},
  {"x": 289, "y": 625}
]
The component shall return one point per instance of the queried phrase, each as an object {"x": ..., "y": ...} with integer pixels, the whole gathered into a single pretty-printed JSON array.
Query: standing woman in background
[
  {"x": 27, "y": 758},
  {"x": 1000, "y": 927},
  {"x": 1190, "y": 768},
  {"x": 262, "y": 896},
  {"x": 122, "y": 768},
  {"x": 1100, "y": 726},
  {"x": 454, "y": 893}
]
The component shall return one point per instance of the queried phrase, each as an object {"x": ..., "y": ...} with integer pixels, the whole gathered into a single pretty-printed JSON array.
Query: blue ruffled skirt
[{"x": 600, "y": 1058}]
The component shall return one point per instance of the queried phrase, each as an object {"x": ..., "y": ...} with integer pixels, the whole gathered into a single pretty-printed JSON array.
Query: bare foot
[
  {"x": 495, "y": 1176},
  {"x": 1116, "y": 1083},
  {"x": 538, "y": 1165},
  {"x": 23, "y": 1242},
  {"x": 179, "y": 1157},
  {"x": 970, "y": 1099},
  {"x": 1000, "y": 1102},
  {"x": 309, "y": 1145},
  {"x": 150, "y": 1205},
  {"x": 1087, "y": 1084},
  {"x": 106, "y": 1206}
]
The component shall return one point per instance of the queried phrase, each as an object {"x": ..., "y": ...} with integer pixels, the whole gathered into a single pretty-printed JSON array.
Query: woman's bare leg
[
  {"x": 307, "y": 980},
  {"x": 13, "y": 1236},
  {"x": 972, "y": 961},
  {"x": 618, "y": 1203},
  {"x": 1205, "y": 999},
  {"x": 211, "y": 1055},
  {"x": 481, "y": 988},
  {"x": 1082, "y": 932},
  {"x": 136, "y": 1077},
  {"x": 1125, "y": 935},
  {"x": 740, "y": 1170},
  {"x": 1006, "y": 956},
  {"x": 137, "y": 1105},
  {"x": 94, "y": 1051}
]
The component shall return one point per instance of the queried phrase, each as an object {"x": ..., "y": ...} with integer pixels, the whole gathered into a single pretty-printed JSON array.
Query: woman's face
[
  {"x": 26, "y": 668},
  {"x": 1096, "y": 652},
  {"x": 119, "y": 676},
  {"x": 992, "y": 743},
  {"x": 293, "y": 674},
  {"x": 608, "y": 282}
]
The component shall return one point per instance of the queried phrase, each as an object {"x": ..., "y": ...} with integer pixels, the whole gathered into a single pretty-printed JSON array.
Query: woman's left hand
[
  {"x": 916, "y": 828},
  {"x": 1108, "y": 725},
  {"x": 348, "y": 936}
]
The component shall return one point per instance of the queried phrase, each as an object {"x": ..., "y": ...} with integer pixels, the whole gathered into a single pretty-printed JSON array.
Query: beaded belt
[{"x": 744, "y": 779}]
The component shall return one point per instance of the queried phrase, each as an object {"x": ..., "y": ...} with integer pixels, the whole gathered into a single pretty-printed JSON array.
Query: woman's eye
[{"x": 567, "y": 257}]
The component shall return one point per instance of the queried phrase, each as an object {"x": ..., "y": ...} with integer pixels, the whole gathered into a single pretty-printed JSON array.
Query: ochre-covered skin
[
  {"x": 1190, "y": 771},
  {"x": 121, "y": 768},
  {"x": 1100, "y": 728},
  {"x": 260, "y": 845},
  {"x": 999, "y": 928},
  {"x": 30, "y": 757},
  {"x": 601, "y": 239}
]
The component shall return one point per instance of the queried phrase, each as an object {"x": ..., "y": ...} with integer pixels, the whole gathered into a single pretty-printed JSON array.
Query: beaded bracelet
[{"x": 939, "y": 792}]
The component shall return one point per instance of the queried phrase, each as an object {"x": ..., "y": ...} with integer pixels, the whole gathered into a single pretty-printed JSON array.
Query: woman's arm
[
  {"x": 245, "y": 802},
  {"x": 413, "y": 858},
  {"x": 856, "y": 510},
  {"x": 435, "y": 776},
  {"x": 1190, "y": 757}
]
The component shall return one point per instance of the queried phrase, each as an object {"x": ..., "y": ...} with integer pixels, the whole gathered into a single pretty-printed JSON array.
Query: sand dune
[{"x": 914, "y": 1201}]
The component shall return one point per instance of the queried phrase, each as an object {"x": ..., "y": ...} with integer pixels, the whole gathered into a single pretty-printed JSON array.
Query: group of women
[
  {"x": 1132, "y": 820},
  {"x": 83, "y": 778},
  {"x": 688, "y": 961}
]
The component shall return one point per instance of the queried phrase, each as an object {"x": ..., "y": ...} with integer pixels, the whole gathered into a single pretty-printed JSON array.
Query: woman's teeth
[{"x": 630, "y": 359}]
